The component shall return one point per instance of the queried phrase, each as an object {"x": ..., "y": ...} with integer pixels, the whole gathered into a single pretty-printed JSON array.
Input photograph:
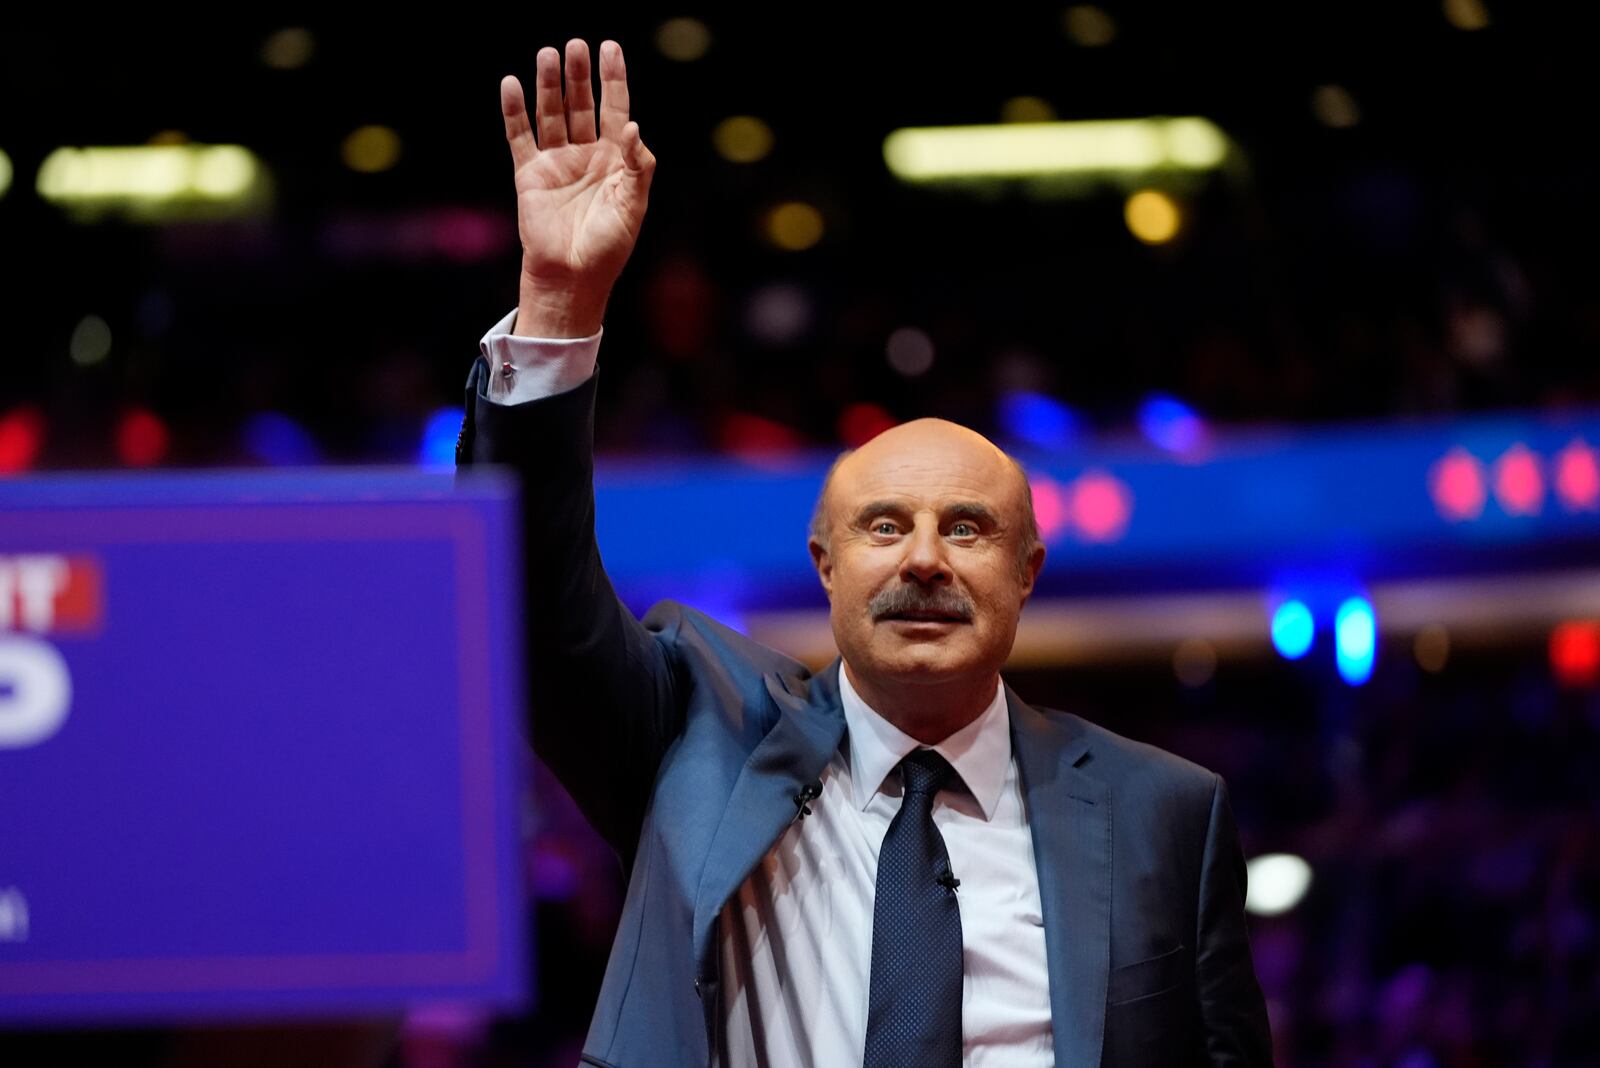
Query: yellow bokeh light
[
  {"x": 1036, "y": 149},
  {"x": 742, "y": 139},
  {"x": 5, "y": 173},
  {"x": 1466, "y": 14},
  {"x": 371, "y": 149},
  {"x": 794, "y": 226},
  {"x": 1152, "y": 216},
  {"x": 1334, "y": 106},
  {"x": 683, "y": 39},
  {"x": 1027, "y": 109},
  {"x": 288, "y": 48},
  {"x": 1432, "y": 648},
  {"x": 1089, "y": 26}
]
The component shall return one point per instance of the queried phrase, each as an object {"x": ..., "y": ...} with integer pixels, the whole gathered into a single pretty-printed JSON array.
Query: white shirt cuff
[{"x": 539, "y": 366}]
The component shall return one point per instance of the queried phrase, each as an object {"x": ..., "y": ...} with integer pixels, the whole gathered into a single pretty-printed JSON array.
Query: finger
[
  {"x": 639, "y": 160},
  {"x": 515, "y": 111},
  {"x": 613, "y": 90},
  {"x": 549, "y": 113},
  {"x": 580, "y": 94}
]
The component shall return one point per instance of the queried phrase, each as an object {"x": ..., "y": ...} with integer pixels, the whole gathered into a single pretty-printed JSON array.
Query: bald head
[{"x": 924, "y": 449}]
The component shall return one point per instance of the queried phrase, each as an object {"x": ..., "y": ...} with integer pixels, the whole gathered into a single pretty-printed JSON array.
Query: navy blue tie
[{"x": 914, "y": 1000}]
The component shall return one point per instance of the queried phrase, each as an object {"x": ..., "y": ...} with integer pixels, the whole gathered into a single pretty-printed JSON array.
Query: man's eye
[
  {"x": 963, "y": 530},
  {"x": 883, "y": 526}
]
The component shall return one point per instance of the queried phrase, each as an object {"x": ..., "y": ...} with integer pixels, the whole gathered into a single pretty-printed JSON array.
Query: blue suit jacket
[{"x": 685, "y": 744}]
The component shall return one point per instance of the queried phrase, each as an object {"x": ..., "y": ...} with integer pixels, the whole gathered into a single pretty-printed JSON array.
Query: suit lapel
[
  {"x": 1069, "y": 815},
  {"x": 793, "y": 754}
]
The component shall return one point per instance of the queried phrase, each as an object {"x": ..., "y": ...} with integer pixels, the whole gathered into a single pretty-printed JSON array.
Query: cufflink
[{"x": 506, "y": 370}]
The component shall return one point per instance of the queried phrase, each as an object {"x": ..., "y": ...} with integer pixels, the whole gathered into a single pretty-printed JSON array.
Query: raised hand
[{"x": 581, "y": 190}]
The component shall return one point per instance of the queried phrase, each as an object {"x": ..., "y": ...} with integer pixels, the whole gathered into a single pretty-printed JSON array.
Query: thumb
[{"x": 639, "y": 162}]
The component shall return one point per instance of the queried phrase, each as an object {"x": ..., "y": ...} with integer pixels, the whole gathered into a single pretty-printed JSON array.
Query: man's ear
[
  {"x": 822, "y": 560},
  {"x": 1035, "y": 565}
]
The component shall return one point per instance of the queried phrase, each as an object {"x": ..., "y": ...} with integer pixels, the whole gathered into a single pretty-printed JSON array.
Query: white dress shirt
[{"x": 795, "y": 940}]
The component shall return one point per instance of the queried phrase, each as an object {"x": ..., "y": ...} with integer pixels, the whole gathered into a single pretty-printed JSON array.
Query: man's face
[{"x": 921, "y": 565}]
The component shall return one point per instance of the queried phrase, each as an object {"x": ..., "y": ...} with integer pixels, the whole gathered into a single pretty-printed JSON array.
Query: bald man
[{"x": 894, "y": 861}]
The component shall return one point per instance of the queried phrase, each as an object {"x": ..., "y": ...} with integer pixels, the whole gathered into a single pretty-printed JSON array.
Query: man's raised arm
[{"x": 600, "y": 685}]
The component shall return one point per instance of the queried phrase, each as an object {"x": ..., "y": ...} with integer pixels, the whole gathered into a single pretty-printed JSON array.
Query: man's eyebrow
[
  {"x": 972, "y": 510},
  {"x": 876, "y": 508}
]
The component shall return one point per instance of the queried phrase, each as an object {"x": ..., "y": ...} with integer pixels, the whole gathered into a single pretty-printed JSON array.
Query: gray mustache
[{"x": 898, "y": 600}]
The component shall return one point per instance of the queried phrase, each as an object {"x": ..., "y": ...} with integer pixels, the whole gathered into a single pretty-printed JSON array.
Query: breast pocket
[{"x": 1149, "y": 977}]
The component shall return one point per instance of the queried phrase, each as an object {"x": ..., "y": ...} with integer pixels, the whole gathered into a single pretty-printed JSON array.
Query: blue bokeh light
[
  {"x": 1170, "y": 423},
  {"x": 1293, "y": 630},
  {"x": 1355, "y": 631},
  {"x": 439, "y": 437},
  {"x": 1038, "y": 419},
  {"x": 274, "y": 438}
]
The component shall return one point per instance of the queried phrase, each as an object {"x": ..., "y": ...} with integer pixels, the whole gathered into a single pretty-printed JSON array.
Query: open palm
[{"x": 582, "y": 184}]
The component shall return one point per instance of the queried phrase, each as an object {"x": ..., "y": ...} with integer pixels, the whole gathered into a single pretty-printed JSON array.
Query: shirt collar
[{"x": 980, "y": 752}]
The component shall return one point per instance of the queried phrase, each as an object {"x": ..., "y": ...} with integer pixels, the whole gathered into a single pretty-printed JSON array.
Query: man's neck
[{"x": 930, "y": 712}]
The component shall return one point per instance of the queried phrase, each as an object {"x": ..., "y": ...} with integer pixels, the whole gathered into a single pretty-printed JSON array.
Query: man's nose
[{"x": 924, "y": 561}]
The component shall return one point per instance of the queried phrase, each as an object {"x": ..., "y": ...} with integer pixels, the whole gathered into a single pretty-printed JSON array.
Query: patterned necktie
[{"x": 914, "y": 1001}]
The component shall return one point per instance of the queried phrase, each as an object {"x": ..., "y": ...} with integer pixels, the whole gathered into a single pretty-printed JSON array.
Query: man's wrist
[{"x": 550, "y": 311}]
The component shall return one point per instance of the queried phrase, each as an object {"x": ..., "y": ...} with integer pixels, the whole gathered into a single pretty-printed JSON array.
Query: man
[{"x": 893, "y": 862}]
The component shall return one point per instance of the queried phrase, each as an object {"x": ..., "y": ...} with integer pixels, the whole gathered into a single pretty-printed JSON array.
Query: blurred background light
[
  {"x": 1099, "y": 506},
  {"x": 1293, "y": 630},
  {"x": 288, "y": 49},
  {"x": 1088, "y": 26},
  {"x": 1152, "y": 216},
  {"x": 1027, "y": 109},
  {"x": 742, "y": 139},
  {"x": 859, "y": 423},
  {"x": 1194, "y": 662},
  {"x": 1037, "y": 419},
  {"x": 1335, "y": 107},
  {"x": 91, "y": 341},
  {"x": 1106, "y": 147},
  {"x": 909, "y": 352},
  {"x": 683, "y": 40},
  {"x": 371, "y": 149},
  {"x": 1457, "y": 483},
  {"x": 21, "y": 438},
  {"x": 439, "y": 436},
  {"x": 779, "y": 314},
  {"x": 1518, "y": 481},
  {"x": 1466, "y": 15},
  {"x": 5, "y": 172},
  {"x": 142, "y": 438},
  {"x": 1355, "y": 635},
  {"x": 1577, "y": 477},
  {"x": 793, "y": 226},
  {"x": 1277, "y": 883},
  {"x": 274, "y": 438},
  {"x": 154, "y": 180},
  {"x": 1431, "y": 647},
  {"x": 1575, "y": 653},
  {"x": 1170, "y": 424}
]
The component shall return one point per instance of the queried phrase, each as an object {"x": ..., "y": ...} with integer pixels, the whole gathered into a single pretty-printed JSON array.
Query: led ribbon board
[{"x": 258, "y": 747}]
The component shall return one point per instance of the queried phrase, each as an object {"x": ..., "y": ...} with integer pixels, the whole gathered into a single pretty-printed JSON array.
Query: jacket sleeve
[
  {"x": 603, "y": 696},
  {"x": 1233, "y": 1011}
]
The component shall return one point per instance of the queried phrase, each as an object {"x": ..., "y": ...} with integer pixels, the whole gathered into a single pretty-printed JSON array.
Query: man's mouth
[{"x": 916, "y": 615}]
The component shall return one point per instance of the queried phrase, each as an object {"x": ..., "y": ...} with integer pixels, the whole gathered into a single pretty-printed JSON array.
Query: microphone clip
[
  {"x": 949, "y": 881},
  {"x": 802, "y": 799}
]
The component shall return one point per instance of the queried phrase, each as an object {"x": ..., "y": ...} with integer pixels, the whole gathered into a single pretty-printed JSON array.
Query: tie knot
[{"x": 924, "y": 771}]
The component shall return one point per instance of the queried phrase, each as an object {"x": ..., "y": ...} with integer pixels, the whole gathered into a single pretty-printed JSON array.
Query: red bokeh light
[
  {"x": 1518, "y": 481},
  {"x": 755, "y": 439},
  {"x": 1455, "y": 482},
  {"x": 1575, "y": 652},
  {"x": 21, "y": 437},
  {"x": 142, "y": 438},
  {"x": 860, "y": 423},
  {"x": 1578, "y": 477},
  {"x": 1101, "y": 506},
  {"x": 1049, "y": 506}
]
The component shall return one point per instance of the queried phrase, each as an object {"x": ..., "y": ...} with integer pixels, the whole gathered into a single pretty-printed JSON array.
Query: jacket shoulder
[{"x": 1123, "y": 761}]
